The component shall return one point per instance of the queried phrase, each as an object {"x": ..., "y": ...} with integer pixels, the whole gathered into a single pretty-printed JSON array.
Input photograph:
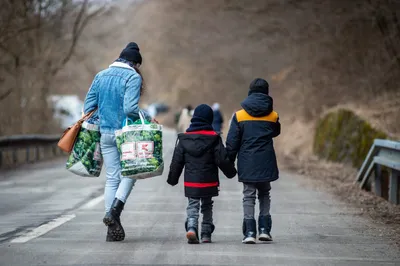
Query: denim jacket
[{"x": 116, "y": 93}]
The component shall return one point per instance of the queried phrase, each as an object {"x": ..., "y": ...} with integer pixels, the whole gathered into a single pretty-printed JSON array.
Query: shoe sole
[
  {"x": 117, "y": 232},
  {"x": 249, "y": 240},
  {"x": 265, "y": 238},
  {"x": 108, "y": 221},
  {"x": 206, "y": 241},
  {"x": 192, "y": 238}
]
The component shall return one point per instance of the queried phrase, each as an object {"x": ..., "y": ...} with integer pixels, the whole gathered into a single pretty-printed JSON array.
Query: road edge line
[{"x": 43, "y": 229}]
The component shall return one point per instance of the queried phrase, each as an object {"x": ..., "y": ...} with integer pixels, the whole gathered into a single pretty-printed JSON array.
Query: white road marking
[
  {"x": 43, "y": 229},
  {"x": 92, "y": 203}
]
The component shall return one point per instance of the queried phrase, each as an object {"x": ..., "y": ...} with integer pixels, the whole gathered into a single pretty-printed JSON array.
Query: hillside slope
[{"x": 315, "y": 54}]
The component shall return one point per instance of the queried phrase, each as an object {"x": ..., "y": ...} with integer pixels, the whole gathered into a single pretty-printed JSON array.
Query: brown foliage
[
  {"x": 316, "y": 54},
  {"x": 38, "y": 37}
]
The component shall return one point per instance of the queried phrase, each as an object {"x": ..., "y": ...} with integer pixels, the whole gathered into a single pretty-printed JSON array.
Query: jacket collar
[{"x": 123, "y": 65}]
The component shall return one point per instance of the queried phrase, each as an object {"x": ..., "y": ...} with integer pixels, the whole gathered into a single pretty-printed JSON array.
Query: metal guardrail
[
  {"x": 383, "y": 154},
  {"x": 27, "y": 148}
]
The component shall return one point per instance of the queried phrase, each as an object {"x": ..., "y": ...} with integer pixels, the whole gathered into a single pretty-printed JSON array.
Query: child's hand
[
  {"x": 171, "y": 183},
  {"x": 234, "y": 174}
]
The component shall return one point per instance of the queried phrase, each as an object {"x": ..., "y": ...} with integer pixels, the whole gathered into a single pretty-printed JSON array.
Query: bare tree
[{"x": 37, "y": 39}]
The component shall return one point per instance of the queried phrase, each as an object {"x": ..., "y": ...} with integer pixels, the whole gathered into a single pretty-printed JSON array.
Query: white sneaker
[
  {"x": 265, "y": 237},
  {"x": 249, "y": 240}
]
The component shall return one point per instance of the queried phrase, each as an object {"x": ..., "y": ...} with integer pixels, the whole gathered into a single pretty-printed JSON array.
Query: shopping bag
[
  {"x": 85, "y": 158},
  {"x": 140, "y": 148}
]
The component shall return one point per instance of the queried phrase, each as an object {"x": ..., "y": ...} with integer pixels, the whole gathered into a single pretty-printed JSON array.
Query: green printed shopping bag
[
  {"x": 140, "y": 147},
  {"x": 85, "y": 158}
]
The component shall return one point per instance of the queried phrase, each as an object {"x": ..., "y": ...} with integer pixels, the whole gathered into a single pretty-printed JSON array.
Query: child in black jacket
[{"x": 200, "y": 151}]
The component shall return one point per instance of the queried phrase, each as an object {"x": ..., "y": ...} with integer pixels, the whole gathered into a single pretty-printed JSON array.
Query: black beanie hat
[
  {"x": 259, "y": 85},
  {"x": 203, "y": 113},
  {"x": 202, "y": 119},
  {"x": 131, "y": 53}
]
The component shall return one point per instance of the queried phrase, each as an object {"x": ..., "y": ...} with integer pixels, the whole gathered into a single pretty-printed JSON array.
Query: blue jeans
[
  {"x": 116, "y": 186},
  {"x": 206, "y": 207}
]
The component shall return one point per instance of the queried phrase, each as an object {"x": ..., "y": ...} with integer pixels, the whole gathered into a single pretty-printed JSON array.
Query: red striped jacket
[{"x": 200, "y": 153}]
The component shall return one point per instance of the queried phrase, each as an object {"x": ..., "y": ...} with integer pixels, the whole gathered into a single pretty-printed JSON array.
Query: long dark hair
[{"x": 142, "y": 87}]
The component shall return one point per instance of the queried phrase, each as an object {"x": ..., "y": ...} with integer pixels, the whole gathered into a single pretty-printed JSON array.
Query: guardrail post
[
  {"x": 14, "y": 156},
  {"x": 37, "y": 153},
  {"x": 27, "y": 154},
  {"x": 394, "y": 187},
  {"x": 54, "y": 150},
  {"x": 378, "y": 180}
]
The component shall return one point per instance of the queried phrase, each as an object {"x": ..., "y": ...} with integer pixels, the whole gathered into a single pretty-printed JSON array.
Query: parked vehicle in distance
[{"x": 157, "y": 108}]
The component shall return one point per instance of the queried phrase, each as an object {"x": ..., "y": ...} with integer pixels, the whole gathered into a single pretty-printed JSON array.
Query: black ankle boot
[
  {"x": 112, "y": 220},
  {"x": 109, "y": 237}
]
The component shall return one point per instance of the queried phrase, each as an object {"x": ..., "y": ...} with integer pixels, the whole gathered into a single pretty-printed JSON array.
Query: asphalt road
[{"x": 51, "y": 217}]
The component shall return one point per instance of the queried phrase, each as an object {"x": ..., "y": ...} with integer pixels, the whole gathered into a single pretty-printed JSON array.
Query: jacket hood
[
  {"x": 197, "y": 144},
  {"x": 258, "y": 104}
]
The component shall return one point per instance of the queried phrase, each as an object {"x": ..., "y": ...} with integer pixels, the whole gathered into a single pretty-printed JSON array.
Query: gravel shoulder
[{"x": 338, "y": 179}]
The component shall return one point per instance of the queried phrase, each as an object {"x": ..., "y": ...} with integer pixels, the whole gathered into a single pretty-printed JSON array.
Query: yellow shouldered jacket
[{"x": 250, "y": 139}]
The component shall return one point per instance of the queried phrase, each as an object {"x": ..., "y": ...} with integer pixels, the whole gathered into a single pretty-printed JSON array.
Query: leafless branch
[
  {"x": 79, "y": 25},
  {"x": 4, "y": 95}
]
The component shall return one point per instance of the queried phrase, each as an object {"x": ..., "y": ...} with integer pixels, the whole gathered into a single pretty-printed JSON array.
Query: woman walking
[{"x": 115, "y": 92}]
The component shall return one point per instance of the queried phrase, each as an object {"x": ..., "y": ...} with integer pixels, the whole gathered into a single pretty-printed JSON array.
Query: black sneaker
[
  {"x": 206, "y": 231},
  {"x": 192, "y": 237},
  {"x": 206, "y": 238},
  {"x": 264, "y": 228},
  {"x": 249, "y": 231}
]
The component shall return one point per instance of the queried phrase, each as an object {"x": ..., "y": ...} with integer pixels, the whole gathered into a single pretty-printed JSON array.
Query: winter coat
[
  {"x": 218, "y": 121},
  {"x": 200, "y": 153},
  {"x": 250, "y": 139},
  {"x": 116, "y": 93}
]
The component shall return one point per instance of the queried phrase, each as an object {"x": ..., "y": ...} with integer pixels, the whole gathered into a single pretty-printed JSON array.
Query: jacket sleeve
[
  {"x": 176, "y": 167},
  {"x": 277, "y": 129},
  {"x": 223, "y": 161},
  {"x": 132, "y": 96},
  {"x": 233, "y": 139},
  {"x": 91, "y": 100}
]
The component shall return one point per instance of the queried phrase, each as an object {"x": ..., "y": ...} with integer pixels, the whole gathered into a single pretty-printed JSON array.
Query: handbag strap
[{"x": 87, "y": 116}]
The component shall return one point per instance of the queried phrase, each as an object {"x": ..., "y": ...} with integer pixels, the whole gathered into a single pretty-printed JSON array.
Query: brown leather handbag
[{"x": 67, "y": 140}]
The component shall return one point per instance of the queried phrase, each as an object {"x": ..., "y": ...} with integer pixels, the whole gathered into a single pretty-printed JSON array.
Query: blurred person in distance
[
  {"x": 218, "y": 118},
  {"x": 152, "y": 110},
  {"x": 184, "y": 118}
]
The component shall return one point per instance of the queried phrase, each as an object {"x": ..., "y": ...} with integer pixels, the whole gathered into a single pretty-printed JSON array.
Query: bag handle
[
  {"x": 88, "y": 115},
  {"x": 141, "y": 116}
]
